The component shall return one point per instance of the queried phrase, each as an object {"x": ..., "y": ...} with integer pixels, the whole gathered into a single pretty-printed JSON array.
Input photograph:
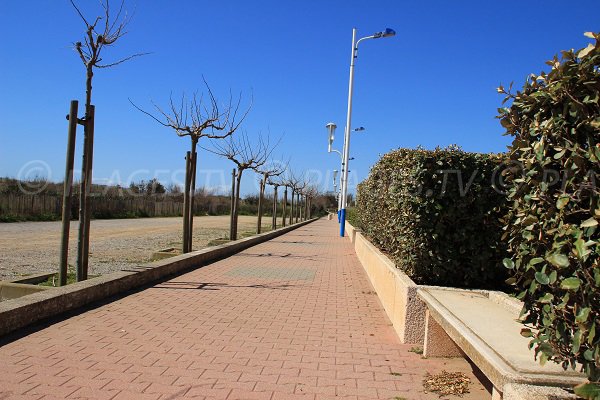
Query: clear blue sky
[{"x": 432, "y": 84}]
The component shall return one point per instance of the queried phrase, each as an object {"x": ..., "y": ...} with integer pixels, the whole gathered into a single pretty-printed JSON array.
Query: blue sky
[{"x": 432, "y": 84}]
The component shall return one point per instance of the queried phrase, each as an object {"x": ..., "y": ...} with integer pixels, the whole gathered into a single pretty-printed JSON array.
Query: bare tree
[
  {"x": 300, "y": 186},
  {"x": 244, "y": 155},
  {"x": 269, "y": 170},
  {"x": 277, "y": 181},
  {"x": 104, "y": 31},
  {"x": 197, "y": 118},
  {"x": 291, "y": 181},
  {"x": 310, "y": 193}
]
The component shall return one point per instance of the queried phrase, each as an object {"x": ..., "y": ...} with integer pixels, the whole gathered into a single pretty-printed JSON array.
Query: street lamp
[
  {"x": 387, "y": 33},
  {"x": 331, "y": 129},
  {"x": 335, "y": 172},
  {"x": 331, "y": 135}
]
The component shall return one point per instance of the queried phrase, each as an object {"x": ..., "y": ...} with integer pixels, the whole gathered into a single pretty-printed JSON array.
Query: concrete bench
[{"x": 482, "y": 325}]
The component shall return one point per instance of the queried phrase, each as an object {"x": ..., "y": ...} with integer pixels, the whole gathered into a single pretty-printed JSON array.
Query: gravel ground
[{"x": 33, "y": 247}]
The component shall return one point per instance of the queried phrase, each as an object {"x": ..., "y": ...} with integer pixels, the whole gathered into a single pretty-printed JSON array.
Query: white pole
[
  {"x": 338, "y": 193},
  {"x": 346, "y": 156}
]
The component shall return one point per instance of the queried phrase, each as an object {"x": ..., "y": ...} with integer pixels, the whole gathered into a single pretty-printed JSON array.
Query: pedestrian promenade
[{"x": 292, "y": 318}]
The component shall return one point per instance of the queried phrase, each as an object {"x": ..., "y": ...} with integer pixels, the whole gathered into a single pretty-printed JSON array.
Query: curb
[{"x": 23, "y": 311}]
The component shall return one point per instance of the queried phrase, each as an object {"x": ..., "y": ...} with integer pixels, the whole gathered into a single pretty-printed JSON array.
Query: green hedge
[
  {"x": 437, "y": 215},
  {"x": 552, "y": 227}
]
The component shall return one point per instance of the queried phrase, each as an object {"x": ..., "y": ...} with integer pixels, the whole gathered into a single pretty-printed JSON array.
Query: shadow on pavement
[{"x": 216, "y": 286}]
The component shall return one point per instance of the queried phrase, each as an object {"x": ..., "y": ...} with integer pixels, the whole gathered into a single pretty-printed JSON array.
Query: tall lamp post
[
  {"x": 331, "y": 129},
  {"x": 387, "y": 33},
  {"x": 335, "y": 189}
]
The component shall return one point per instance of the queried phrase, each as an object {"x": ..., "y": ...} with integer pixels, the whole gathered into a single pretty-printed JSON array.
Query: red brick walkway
[{"x": 295, "y": 317}]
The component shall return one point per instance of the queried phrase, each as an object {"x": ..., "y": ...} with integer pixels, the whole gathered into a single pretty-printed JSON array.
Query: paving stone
[{"x": 292, "y": 318}]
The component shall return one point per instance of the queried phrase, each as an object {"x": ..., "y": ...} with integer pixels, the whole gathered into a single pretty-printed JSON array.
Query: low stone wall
[
  {"x": 397, "y": 292},
  {"x": 14, "y": 290},
  {"x": 18, "y": 313},
  {"x": 351, "y": 231}
]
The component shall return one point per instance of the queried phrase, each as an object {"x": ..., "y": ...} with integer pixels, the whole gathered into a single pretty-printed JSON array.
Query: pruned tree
[
  {"x": 310, "y": 193},
  {"x": 245, "y": 155},
  {"x": 269, "y": 170},
  {"x": 197, "y": 118},
  {"x": 101, "y": 32},
  {"x": 300, "y": 186},
  {"x": 291, "y": 181},
  {"x": 277, "y": 181}
]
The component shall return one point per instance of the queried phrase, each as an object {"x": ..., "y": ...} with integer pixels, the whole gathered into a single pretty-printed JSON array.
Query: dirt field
[{"x": 33, "y": 247}]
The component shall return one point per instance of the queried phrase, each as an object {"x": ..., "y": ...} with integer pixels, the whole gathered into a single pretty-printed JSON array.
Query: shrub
[
  {"x": 552, "y": 228},
  {"x": 352, "y": 216},
  {"x": 437, "y": 215}
]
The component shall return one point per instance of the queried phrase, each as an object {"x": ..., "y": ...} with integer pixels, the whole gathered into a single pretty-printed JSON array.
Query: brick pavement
[{"x": 293, "y": 318}]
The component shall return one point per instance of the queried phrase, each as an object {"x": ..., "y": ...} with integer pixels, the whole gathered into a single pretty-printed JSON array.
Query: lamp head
[
  {"x": 331, "y": 129},
  {"x": 387, "y": 33}
]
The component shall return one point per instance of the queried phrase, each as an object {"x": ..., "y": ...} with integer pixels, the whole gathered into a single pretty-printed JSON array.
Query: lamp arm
[
  {"x": 360, "y": 40},
  {"x": 337, "y": 151}
]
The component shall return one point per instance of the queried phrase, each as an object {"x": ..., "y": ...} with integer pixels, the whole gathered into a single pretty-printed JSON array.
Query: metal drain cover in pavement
[{"x": 274, "y": 273}]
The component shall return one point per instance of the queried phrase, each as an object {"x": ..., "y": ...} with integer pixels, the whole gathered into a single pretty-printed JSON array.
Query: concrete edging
[
  {"x": 396, "y": 291},
  {"x": 26, "y": 310}
]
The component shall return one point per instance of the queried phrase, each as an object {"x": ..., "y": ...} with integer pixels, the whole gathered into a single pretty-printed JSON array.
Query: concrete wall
[
  {"x": 397, "y": 292},
  {"x": 26, "y": 310},
  {"x": 351, "y": 231},
  {"x": 13, "y": 290}
]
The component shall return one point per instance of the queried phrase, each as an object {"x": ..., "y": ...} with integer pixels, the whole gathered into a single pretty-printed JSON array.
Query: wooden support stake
[
  {"x": 186, "y": 202},
  {"x": 283, "y": 210},
  {"x": 192, "y": 194},
  {"x": 84, "y": 190},
  {"x": 274, "y": 223},
  {"x": 88, "y": 209},
  {"x": 67, "y": 192},
  {"x": 232, "y": 209}
]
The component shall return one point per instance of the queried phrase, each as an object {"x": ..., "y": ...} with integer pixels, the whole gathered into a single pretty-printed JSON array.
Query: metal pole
[
  {"x": 347, "y": 137},
  {"x": 339, "y": 191},
  {"x": 67, "y": 191},
  {"x": 232, "y": 204}
]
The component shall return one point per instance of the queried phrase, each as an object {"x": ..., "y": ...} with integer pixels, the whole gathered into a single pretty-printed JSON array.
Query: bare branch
[
  {"x": 198, "y": 117},
  {"x": 121, "y": 61}
]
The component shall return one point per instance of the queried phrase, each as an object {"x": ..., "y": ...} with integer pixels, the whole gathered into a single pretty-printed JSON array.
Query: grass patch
[
  {"x": 416, "y": 350},
  {"x": 23, "y": 218},
  {"x": 71, "y": 278}
]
